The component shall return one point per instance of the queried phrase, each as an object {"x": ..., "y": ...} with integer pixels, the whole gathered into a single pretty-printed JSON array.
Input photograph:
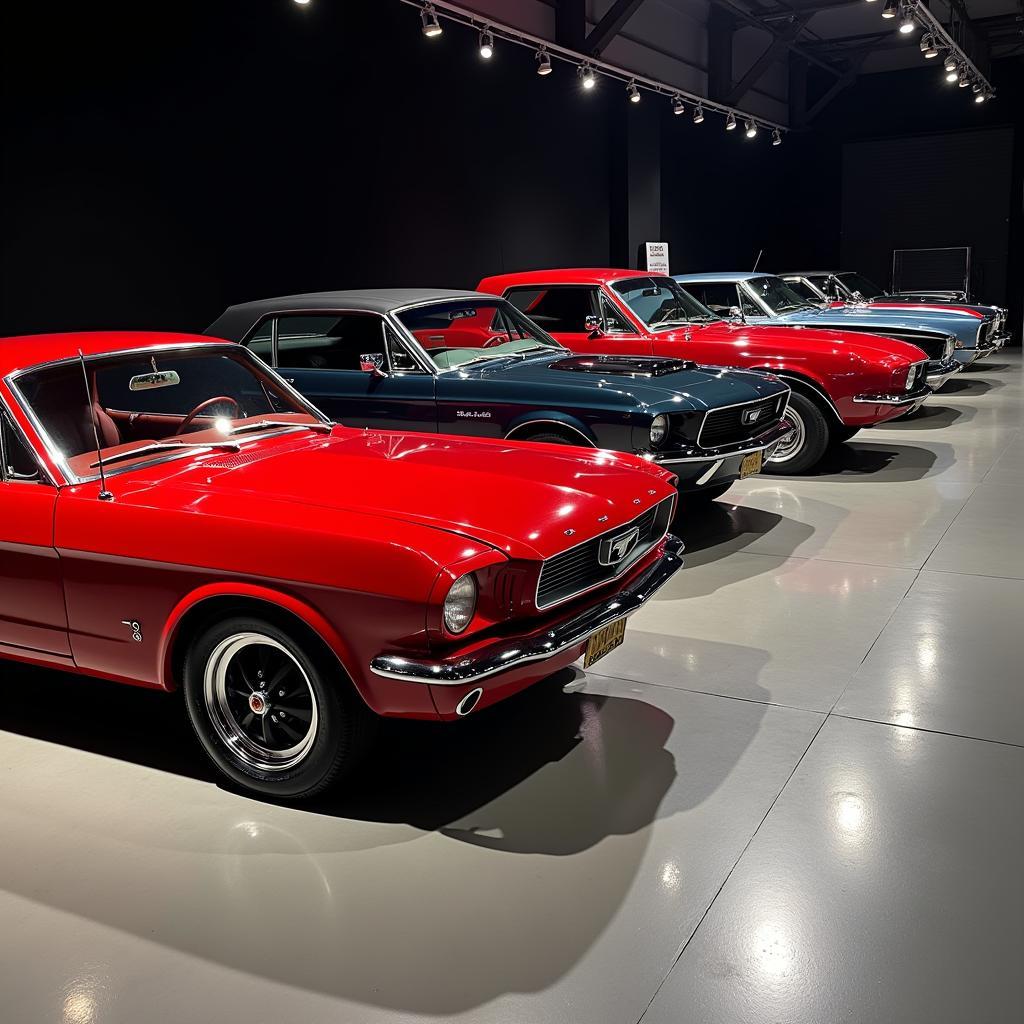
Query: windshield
[
  {"x": 859, "y": 283},
  {"x": 142, "y": 405},
  {"x": 777, "y": 295},
  {"x": 805, "y": 290},
  {"x": 461, "y": 331},
  {"x": 660, "y": 302}
]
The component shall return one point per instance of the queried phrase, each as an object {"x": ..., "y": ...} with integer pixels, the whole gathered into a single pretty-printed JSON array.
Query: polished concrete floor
[{"x": 796, "y": 794}]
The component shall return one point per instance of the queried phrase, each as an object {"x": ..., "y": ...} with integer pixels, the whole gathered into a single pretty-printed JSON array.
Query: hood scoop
[{"x": 633, "y": 366}]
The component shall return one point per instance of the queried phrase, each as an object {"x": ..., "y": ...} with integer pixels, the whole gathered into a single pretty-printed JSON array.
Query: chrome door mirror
[
  {"x": 373, "y": 363},
  {"x": 594, "y": 325},
  {"x": 735, "y": 313}
]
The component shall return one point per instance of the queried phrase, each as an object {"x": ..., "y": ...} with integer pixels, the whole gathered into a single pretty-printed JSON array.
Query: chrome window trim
[
  {"x": 737, "y": 405},
  {"x": 58, "y": 457},
  {"x": 630, "y": 560},
  {"x": 587, "y": 443},
  {"x": 45, "y": 477},
  {"x": 745, "y": 287}
]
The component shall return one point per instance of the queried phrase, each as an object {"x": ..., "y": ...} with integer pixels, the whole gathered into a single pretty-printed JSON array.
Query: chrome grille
[
  {"x": 579, "y": 569},
  {"x": 726, "y": 426}
]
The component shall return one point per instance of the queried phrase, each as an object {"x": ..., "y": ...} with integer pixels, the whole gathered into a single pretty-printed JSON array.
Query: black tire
[
  {"x": 812, "y": 438},
  {"x": 691, "y": 499},
  {"x": 332, "y": 724},
  {"x": 841, "y": 434}
]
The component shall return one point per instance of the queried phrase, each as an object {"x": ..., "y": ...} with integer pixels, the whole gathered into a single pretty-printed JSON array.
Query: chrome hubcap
[
  {"x": 793, "y": 442},
  {"x": 260, "y": 702}
]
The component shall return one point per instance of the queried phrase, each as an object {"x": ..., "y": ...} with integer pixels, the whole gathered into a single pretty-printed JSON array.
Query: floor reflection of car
[
  {"x": 840, "y": 381},
  {"x": 469, "y": 363},
  {"x": 950, "y": 338},
  {"x": 174, "y": 514}
]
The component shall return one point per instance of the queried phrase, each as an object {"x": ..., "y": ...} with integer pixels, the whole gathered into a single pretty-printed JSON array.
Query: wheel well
[
  {"x": 808, "y": 388},
  {"x": 527, "y": 430},
  {"x": 212, "y": 609}
]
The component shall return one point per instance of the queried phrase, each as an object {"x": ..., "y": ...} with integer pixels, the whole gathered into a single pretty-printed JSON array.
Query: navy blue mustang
[{"x": 469, "y": 363}]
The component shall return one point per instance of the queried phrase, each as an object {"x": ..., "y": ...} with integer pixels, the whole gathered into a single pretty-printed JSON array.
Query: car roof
[
  {"x": 236, "y": 320},
  {"x": 812, "y": 273},
  {"x": 28, "y": 350},
  {"x": 725, "y": 275},
  {"x": 565, "y": 275}
]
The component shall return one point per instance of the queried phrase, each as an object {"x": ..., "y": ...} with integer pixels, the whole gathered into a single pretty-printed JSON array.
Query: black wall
[{"x": 155, "y": 171}]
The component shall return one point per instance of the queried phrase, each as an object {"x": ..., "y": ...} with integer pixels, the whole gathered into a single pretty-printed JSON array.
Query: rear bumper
[
  {"x": 941, "y": 370},
  {"x": 491, "y": 662},
  {"x": 708, "y": 467}
]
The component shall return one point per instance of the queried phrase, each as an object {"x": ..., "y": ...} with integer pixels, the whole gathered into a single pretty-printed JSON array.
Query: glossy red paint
[
  {"x": 354, "y": 533},
  {"x": 840, "y": 364}
]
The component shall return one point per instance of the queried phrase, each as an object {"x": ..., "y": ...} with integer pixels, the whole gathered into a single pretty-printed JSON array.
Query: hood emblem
[
  {"x": 614, "y": 549},
  {"x": 751, "y": 416}
]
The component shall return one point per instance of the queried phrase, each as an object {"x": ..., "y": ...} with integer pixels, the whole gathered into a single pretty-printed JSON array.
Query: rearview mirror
[
  {"x": 594, "y": 325},
  {"x": 373, "y": 363}
]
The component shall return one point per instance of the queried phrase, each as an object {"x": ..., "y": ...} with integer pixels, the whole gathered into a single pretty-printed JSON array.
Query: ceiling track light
[
  {"x": 698, "y": 114},
  {"x": 633, "y": 92},
  {"x": 983, "y": 97},
  {"x": 751, "y": 129},
  {"x": 730, "y": 122},
  {"x": 952, "y": 74},
  {"x": 431, "y": 26},
  {"x": 302, "y": 3},
  {"x": 907, "y": 22},
  {"x": 950, "y": 62},
  {"x": 486, "y": 44},
  {"x": 543, "y": 62},
  {"x": 777, "y": 135},
  {"x": 678, "y": 107},
  {"x": 891, "y": 9},
  {"x": 928, "y": 47},
  {"x": 586, "y": 76}
]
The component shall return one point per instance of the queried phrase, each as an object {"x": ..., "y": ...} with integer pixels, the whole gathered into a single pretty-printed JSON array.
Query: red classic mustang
[
  {"x": 841, "y": 381},
  {"x": 173, "y": 513}
]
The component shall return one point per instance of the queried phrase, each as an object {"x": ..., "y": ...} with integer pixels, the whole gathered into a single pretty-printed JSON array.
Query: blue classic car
[
  {"x": 759, "y": 298},
  {"x": 827, "y": 286},
  {"x": 469, "y": 363}
]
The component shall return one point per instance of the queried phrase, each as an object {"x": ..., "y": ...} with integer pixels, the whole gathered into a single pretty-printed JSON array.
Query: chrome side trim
[
  {"x": 709, "y": 473},
  {"x": 504, "y": 655},
  {"x": 587, "y": 443},
  {"x": 888, "y": 398}
]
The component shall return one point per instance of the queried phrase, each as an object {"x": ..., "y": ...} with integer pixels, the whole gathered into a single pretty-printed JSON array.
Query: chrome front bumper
[
  {"x": 941, "y": 370},
  {"x": 914, "y": 397},
  {"x": 503, "y": 655},
  {"x": 768, "y": 439}
]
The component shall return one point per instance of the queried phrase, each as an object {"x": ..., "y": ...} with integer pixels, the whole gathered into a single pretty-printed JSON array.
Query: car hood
[
  {"x": 961, "y": 325},
  {"x": 519, "y": 498},
  {"x": 642, "y": 381}
]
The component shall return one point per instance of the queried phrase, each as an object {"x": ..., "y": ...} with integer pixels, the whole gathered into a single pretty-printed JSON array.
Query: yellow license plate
[
  {"x": 751, "y": 464},
  {"x": 604, "y": 640}
]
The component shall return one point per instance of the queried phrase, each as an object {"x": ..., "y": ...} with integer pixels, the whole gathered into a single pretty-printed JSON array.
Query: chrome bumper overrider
[
  {"x": 916, "y": 396},
  {"x": 726, "y": 451},
  {"x": 503, "y": 655},
  {"x": 941, "y": 370}
]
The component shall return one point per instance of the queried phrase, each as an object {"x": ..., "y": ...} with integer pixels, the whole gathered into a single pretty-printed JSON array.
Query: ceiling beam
[
  {"x": 775, "y": 49},
  {"x": 849, "y": 77},
  {"x": 611, "y": 24},
  {"x": 571, "y": 24}
]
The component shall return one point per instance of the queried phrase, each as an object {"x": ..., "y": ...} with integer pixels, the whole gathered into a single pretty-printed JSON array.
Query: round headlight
[
  {"x": 659, "y": 429},
  {"x": 911, "y": 374},
  {"x": 460, "y": 604}
]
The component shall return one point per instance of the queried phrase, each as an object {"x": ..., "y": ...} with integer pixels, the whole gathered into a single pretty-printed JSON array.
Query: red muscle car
[
  {"x": 174, "y": 514},
  {"x": 840, "y": 381}
]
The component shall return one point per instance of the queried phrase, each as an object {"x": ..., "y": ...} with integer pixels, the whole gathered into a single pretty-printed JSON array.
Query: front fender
[{"x": 552, "y": 418}]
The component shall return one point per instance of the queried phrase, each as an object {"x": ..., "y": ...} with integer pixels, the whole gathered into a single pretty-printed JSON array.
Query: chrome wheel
[
  {"x": 260, "y": 702},
  {"x": 790, "y": 445}
]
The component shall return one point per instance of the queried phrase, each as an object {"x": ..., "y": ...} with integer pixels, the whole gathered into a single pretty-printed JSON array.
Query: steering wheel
[{"x": 216, "y": 400}]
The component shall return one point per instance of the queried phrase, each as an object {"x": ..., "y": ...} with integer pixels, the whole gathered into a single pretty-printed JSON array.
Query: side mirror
[
  {"x": 735, "y": 313},
  {"x": 373, "y": 363},
  {"x": 594, "y": 325}
]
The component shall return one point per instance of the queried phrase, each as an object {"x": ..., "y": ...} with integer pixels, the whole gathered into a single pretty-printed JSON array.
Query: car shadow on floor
[
  {"x": 713, "y": 531},
  {"x": 970, "y": 387},
  {"x": 858, "y": 459},
  {"x": 928, "y": 417}
]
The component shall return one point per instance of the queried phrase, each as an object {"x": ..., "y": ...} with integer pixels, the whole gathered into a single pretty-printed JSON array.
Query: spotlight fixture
[
  {"x": 777, "y": 135},
  {"x": 952, "y": 73},
  {"x": 486, "y": 44},
  {"x": 928, "y": 47},
  {"x": 431, "y": 26},
  {"x": 302, "y": 3},
  {"x": 891, "y": 9},
  {"x": 678, "y": 107},
  {"x": 907, "y": 22},
  {"x": 730, "y": 123},
  {"x": 964, "y": 78},
  {"x": 950, "y": 62},
  {"x": 983, "y": 97},
  {"x": 543, "y": 62},
  {"x": 633, "y": 92},
  {"x": 586, "y": 76},
  {"x": 698, "y": 114},
  {"x": 751, "y": 129}
]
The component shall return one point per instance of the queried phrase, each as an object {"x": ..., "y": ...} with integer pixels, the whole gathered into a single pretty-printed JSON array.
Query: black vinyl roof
[{"x": 236, "y": 321}]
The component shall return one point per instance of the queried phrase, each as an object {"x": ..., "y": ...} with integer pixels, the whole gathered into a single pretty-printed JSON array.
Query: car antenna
[
  {"x": 105, "y": 495},
  {"x": 758, "y": 260}
]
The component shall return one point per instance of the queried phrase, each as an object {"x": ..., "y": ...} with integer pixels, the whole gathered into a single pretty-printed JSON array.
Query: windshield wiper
[
  {"x": 166, "y": 446},
  {"x": 248, "y": 428}
]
